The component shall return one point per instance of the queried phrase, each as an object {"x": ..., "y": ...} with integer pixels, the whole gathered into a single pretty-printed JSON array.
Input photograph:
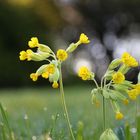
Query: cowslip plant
[
  {"x": 52, "y": 66},
  {"x": 113, "y": 88}
]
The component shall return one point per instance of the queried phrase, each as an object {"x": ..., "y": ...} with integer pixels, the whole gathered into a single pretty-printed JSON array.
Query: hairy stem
[{"x": 64, "y": 104}]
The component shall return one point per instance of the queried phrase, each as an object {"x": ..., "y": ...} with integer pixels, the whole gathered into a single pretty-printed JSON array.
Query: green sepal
[
  {"x": 114, "y": 64},
  {"x": 124, "y": 69},
  {"x": 108, "y": 134},
  {"x": 55, "y": 76},
  {"x": 41, "y": 69},
  {"x": 116, "y": 95},
  {"x": 44, "y": 48},
  {"x": 109, "y": 74},
  {"x": 71, "y": 48},
  {"x": 106, "y": 93}
]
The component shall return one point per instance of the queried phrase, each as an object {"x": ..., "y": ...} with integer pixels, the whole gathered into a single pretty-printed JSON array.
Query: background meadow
[{"x": 113, "y": 28}]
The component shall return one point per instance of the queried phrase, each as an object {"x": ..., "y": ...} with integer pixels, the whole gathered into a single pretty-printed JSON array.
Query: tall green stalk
[
  {"x": 64, "y": 103},
  {"x": 104, "y": 114}
]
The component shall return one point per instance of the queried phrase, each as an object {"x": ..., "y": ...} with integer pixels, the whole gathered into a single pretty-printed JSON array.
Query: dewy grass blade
[
  {"x": 5, "y": 120},
  {"x": 3, "y": 133}
]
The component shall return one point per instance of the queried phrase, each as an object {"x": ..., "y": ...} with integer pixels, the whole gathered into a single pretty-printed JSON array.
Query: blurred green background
[{"x": 113, "y": 27}]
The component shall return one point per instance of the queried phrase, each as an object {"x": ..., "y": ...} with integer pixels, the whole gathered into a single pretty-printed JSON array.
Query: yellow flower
[
  {"x": 23, "y": 55},
  {"x": 51, "y": 68},
  {"x": 137, "y": 87},
  {"x": 118, "y": 77},
  {"x": 126, "y": 101},
  {"x": 45, "y": 75},
  {"x": 133, "y": 94},
  {"x": 55, "y": 84},
  {"x": 83, "y": 39},
  {"x": 119, "y": 115},
  {"x": 62, "y": 55},
  {"x": 34, "y": 76},
  {"x": 128, "y": 60},
  {"x": 84, "y": 73},
  {"x": 33, "y": 43},
  {"x": 26, "y": 55}
]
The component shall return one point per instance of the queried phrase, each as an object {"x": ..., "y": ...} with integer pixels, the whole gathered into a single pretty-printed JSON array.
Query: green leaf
[{"x": 5, "y": 120}]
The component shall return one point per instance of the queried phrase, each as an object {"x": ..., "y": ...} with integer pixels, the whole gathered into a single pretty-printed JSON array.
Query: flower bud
[
  {"x": 114, "y": 64},
  {"x": 108, "y": 134}
]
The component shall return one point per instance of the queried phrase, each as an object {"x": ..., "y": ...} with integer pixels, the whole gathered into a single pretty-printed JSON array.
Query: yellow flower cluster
[
  {"x": 49, "y": 71},
  {"x": 62, "y": 55},
  {"x": 84, "y": 73},
  {"x": 128, "y": 60},
  {"x": 118, "y": 78},
  {"x": 119, "y": 115}
]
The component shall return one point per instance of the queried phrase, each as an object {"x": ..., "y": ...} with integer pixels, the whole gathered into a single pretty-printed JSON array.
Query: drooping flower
[
  {"x": 62, "y": 55},
  {"x": 84, "y": 73},
  {"x": 33, "y": 42},
  {"x": 128, "y": 60},
  {"x": 83, "y": 39},
  {"x": 118, "y": 78},
  {"x": 55, "y": 84},
  {"x": 119, "y": 115}
]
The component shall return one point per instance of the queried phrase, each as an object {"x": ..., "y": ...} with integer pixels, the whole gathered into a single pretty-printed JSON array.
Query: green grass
[{"x": 42, "y": 105}]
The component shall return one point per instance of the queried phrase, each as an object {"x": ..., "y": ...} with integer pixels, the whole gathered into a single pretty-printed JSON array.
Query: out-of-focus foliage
[{"x": 112, "y": 25}]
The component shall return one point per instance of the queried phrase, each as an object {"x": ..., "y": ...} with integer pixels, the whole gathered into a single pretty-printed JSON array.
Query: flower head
[
  {"x": 128, "y": 60},
  {"x": 83, "y": 39},
  {"x": 84, "y": 73},
  {"x": 34, "y": 76},
  {"x": 55, "y": 84},
  {"x": 118, "y": 77},
  {"x": 26, "y": 55},
  {"x": 33, "y": 43},
  {"x": 62, "y": 55},
  {"x": 119, "y": 115}
]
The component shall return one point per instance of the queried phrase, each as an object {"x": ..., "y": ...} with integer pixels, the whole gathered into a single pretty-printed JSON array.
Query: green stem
[
  {"x": 96, "y": 83},
  {"x": 136, "y": 112},
  {"x": 64, "y": 103},
  {"x": 104, "y": 114}
]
